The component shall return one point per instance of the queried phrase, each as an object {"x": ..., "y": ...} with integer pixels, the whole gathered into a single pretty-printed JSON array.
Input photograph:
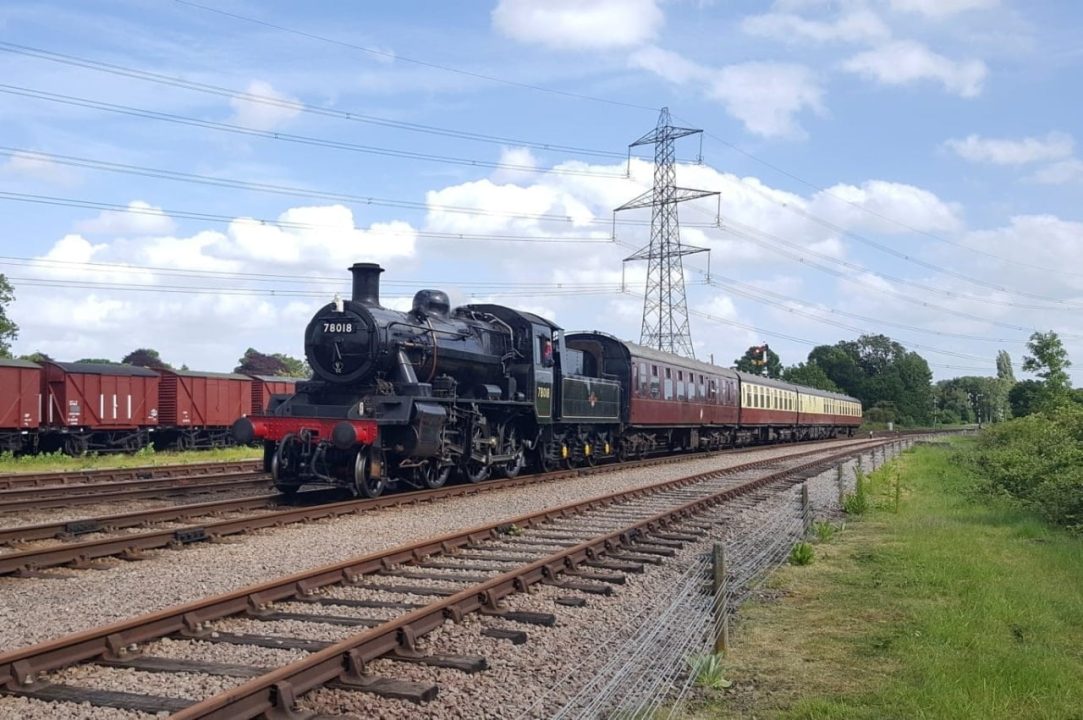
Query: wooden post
[
  {"x": 722, "y": 620},
  {"x": 806, "y": 514}
]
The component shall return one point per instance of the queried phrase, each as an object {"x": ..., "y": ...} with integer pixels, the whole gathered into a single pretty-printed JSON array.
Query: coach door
[{"x": 543, "y": 372}]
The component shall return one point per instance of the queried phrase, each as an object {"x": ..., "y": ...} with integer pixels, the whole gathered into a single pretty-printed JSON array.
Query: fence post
[
  {"x": 722, "y": 620},
  {"x": 841, "y": 484},
  {"x": 806, "y": 514}
]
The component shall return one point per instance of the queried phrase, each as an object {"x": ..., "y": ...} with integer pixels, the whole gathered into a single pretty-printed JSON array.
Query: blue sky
[{"x": 907, "y": 167}]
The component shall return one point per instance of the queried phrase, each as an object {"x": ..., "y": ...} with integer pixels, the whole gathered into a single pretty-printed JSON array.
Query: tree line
[{"x": 895, "y": 384}]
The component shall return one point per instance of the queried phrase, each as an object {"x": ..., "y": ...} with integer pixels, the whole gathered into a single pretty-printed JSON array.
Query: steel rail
[
  {"x": 346, "y": 660},
  {"x": 11, "y": 481},
  {"x": 40, "y": 503},
  {"x": 22, "y": 667},
  {"x": 67, "y": 528},
  {"x": 27, "y": 562},
  {"x": 55, "y": 491}
]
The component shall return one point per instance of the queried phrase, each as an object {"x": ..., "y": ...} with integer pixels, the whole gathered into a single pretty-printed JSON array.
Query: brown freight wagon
[
  {"x": 91, "y": 406},
  {"x": 20, "y": 405},
  {"x": 197, "y": 409},
  {"x": 270, "y": 390}
]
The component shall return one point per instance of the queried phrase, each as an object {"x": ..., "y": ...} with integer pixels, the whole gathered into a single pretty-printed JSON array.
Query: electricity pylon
[{"x": 665, "y": 308}]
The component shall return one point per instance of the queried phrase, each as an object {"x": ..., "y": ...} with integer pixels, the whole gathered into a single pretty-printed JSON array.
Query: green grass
[
  {"x": 956, "y": 606},
  {"x": 57, "y": 461}
]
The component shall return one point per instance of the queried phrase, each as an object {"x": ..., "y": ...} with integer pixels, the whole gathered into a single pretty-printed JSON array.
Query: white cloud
[
  {"x": 766, "y": 97},
  {"x": 940, "y": 9},
  {"x": 1003, "y": 151},
  {"x": 141, "y": 219},
  {"x": 905, "y": 62},
  {"x": 579, "y": 24},
  {"x": 874, "y": 206},
  {"x": 856, "y": 25},
  {"x": 22, "y": 165},
  {"x": 326, "y": 232},
  {"x": 267, "y": 109},
  {"x": 1059, "y": 173},
  {"x": 519, "y": 163}
]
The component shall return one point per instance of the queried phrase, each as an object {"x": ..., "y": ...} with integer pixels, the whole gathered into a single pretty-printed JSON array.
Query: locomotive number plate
[{"x": 338, "y": 327}]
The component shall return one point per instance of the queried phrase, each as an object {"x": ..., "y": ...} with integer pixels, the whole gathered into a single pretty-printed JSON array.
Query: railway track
[
  {"x": 29, "y": 562},
  {"x": 583, "y": 547},
  {"x": 11, "y": 481},
  {"x": 40, "y": 498}
]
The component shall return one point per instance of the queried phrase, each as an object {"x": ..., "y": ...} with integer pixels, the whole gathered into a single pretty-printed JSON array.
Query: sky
[{"x": 196, "y": 176}]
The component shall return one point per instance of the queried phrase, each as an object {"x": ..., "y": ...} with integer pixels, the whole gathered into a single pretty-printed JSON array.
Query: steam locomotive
[{"x": 482, "y": 390}]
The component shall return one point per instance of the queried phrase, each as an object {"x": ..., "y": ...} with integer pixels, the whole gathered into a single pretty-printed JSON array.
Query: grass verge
[
  {"x": 956, "y": 606},
  {"x": 60, "y": 462}
]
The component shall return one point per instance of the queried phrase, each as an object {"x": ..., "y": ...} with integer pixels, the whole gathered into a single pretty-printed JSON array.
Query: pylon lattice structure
[{"x": 665, "y": 306}]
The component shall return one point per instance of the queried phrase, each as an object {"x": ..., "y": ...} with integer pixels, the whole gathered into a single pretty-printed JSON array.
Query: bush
[
  {"x": 801, "y": 554},
  {"x": 856, "y": 502},
  {"x": 1037, "y": 460},
  {"x": 708, "y": 671},
  {"x": 823, "y": 529}
]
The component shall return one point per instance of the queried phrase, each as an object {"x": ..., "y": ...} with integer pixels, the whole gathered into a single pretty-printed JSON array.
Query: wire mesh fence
[{"x": 645, "y": 668}]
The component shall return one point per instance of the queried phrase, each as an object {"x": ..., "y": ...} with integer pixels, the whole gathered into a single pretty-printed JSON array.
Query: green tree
[
  {"x": 256, "y": 363},
  {"x": 9, "y": 331},
  {"x": 839, "y": 366},
  {"x": 973, "y": 398},
  {"x": 37, "y": 356},
  {"x": 294, "y": 367},
  {"x": 1049, "y": 360},
  {"x": 882, "y": 374},
  {"x": 1004, "y": 367},
  {"x": 145, "y": 357},
  {"x": 1025, "y": 398},
  {"x": 97, "y": 361},
  {"x": 757, "y": 358},
  {"x": 809, "y": 374}
]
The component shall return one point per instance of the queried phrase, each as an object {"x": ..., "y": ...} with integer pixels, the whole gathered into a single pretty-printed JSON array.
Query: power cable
[
  {"x": 75, "y": 101},
  {"x": 229, "y": 220},
  {"x": 384, "y": 54},
  {"x": 295, "y": 105},
  {"x": 218, "y": 181},
  {"x": 402, "y": 58}
]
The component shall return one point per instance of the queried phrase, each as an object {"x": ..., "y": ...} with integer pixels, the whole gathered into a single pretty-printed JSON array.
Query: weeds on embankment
[
  {"x": 950, "y": 606},
  {"x": 56, "y": 462}
]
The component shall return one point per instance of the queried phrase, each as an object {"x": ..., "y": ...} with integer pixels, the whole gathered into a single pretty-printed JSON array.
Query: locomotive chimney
[{"x": 366, "y": 283}]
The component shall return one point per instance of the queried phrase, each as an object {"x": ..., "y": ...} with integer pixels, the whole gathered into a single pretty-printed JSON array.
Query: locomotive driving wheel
[
  {"x": 363, "y": 482},
  {"x": 433, "y": 474},
  {"x": 476, "y": 470},
  {"x": 283, "y": 466},
  {"x": 512, "y": 444},
  {"x": 547, "y": 461}
]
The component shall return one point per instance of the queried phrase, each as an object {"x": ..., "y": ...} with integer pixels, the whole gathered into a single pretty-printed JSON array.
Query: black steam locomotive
[{"x": 411, "y": 397}]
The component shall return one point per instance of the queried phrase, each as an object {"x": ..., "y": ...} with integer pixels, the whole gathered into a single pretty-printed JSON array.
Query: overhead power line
[
  {"x": 295, "y": 105},
  {"x": 293, "y": 225},
  {"x": 75, "y": 101},
  {"x": 218, "y": 181},
  {"x": 887, "y": 249},
  {"x": 387, "y": 55},
  {"x": 1014, "y": 262}
]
